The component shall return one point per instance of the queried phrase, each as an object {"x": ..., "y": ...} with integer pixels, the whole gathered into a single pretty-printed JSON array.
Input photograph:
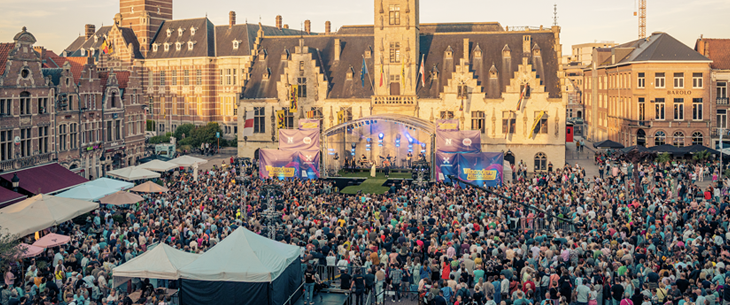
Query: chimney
[
  {"x": 338, "y": 49},
  {"x": 327, "y": 27},
  {"x": 231, "y": 19},
  {"x": 286, "y": 26},
  {"x": 278, "y": 21},
  {"x": 307, "y": 26},
  {"x": 89, "y": 31}
]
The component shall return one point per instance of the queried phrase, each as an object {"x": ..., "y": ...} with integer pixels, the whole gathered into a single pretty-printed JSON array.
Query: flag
[
  {"x": 104, "y": 47},
  {"x": 381, "y": 75},
  {"x": 248, "y": 124},
  {"x": 293, "y": 103},
  {"x": 340, "y": 117},
  {"x": 536, "y": 123},
  {"x": 363, "y": 70},
  {"x": 423, "y": 76},
  {"x": 402, "y": 72},
  {"x": 522, "y": 96},
  {"x": 461, "y": 108},
  {"x": 280, "y": 117}
]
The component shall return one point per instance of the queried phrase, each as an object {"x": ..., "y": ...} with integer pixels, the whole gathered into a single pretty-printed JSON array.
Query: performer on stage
[{"x": 408, "y": 158}]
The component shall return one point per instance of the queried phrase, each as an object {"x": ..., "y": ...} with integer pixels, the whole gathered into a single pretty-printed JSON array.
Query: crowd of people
[{"x": 555, "y": 237}]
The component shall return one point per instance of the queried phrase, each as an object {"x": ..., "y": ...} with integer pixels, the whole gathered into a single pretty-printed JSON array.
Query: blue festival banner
[
  {"x": 278, "y": 164},
  {"x": 483, "y": 169},
  {"x": 467, "y": 141},
  {"x": 309, "y": 164},
  {"x": 447, "y": 164}
]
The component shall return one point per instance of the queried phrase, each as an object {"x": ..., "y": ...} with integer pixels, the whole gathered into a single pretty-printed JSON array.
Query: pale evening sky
[{"x": 56, "y": 23}]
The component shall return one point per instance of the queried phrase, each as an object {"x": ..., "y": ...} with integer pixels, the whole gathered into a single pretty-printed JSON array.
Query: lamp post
[
  {"x": 15, "y": 181},
  {"x": 103, "y": 166}
]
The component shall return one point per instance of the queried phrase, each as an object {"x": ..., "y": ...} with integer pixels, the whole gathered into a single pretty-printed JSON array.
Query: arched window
[
  {"x": 697, "y": 138},
  {"x": 678, "y": 139},
  {"x": 540, "y": 162},
  {"x": 660, "y": 138}
]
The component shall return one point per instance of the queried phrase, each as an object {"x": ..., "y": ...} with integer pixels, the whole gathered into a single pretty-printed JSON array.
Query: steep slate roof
[
  {"x": 204, "y": 39},
  {"x": 76, "y": 44},
  {"x": 718, "y": 50},
  {"x": 246, "y": 35},
  {"x": 5, "y": 49},
  {"x": 130, "y": 37},
  {"x": 54, "y": 73},
  {"x": 659, "y": 47},
  {"x": 430, "y": 28},
  {"x": 491, "y": 44},
  {"x": 90, "y": 43}
]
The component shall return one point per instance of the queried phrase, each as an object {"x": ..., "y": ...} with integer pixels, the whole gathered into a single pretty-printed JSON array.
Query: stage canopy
[
  {"x": 188, "y": 161},
  {"x": 87, "y": 192},
  {"x": 118, "y": 185},
  {"x": 386, "y": 117},
  {"x": 159, "y": 166},
  {"x": 40, "y": 212},
  {"x": 244, "y": 268},
  {"x": 161, "y": 262},
  {"x": 132, "y": 173}
]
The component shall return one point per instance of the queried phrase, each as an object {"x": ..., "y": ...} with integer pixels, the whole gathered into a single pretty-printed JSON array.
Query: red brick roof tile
[
  {"x": 77, "y": 64},
  {"x": 718, "y": 50},
  {"x": 5, "y": 49},
  {"x": 48, "y": 61},
  {"x": 122, "y": 78}
]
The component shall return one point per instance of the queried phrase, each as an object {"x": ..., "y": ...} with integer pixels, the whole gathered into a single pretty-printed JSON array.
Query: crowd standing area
[{"x": 556, "y": 238}]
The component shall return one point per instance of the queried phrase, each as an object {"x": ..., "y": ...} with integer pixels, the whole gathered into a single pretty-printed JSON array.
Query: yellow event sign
[
  {"x": 340, "y": 117},
  {"x": 277, "y": 172},
  {"x": 309, "y": 125},
  {"x": 480, "y": 174}
]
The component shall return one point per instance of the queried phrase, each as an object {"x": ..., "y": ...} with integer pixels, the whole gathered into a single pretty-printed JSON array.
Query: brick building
[{"x": 718, "y": 50}]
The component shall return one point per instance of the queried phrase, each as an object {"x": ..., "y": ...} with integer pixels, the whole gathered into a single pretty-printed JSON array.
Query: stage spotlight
[{"x": 381, "y": 135}]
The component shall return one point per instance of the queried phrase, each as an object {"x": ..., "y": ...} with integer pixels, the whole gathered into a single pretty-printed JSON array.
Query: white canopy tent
[
  {"x": 132, "y": 173},
  {"x": 188, "y": 161},
  {"x": 118, "y": 185},
  {"x": 40, "y": 212},
  {"x": 87, "y": 192},
  {"x": 158, "y": 166},
  {"x": 162, "y": 262}
]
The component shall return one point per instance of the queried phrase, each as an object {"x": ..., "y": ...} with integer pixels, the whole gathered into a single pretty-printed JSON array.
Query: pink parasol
[
  {"x": 52, "y": 240},
  {"x": 30, "y": 250}
]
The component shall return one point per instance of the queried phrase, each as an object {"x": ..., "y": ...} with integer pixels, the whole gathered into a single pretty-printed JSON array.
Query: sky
[{"x": 56, "y": 23}]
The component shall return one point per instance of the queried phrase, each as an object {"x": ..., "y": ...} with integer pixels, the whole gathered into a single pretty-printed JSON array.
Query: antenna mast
[{"x": 642, "y": 19}]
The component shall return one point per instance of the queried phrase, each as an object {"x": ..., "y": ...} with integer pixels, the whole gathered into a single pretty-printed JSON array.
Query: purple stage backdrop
[
  {"x": 464, "y": 141},
  {"x": 446, "y": 164},
  {"x": 306, "y": 124},
  {"x": 278, "y": 164},
  {"x": 309, "y": 164},
  {"x": 292, "y": 139},
  {"x": 447, "y": 125},
  {"x": 483, "y": 169}
]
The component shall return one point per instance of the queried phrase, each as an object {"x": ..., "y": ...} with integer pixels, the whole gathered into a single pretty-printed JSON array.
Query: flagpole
[{"x": 372, "y": 85}]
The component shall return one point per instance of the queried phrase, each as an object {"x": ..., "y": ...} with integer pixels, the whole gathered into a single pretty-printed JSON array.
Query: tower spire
[{"x": 555, "y": 14}]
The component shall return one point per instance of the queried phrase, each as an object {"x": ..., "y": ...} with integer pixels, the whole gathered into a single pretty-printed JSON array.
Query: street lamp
[{"x": 15, "y": 181}]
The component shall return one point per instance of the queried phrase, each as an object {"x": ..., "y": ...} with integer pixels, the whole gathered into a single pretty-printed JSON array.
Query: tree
[
  {"x": 663, "y": 158},
  {"x": 701, "y": 156},
  {"x": 635, "y": 156},
  {"x": 9, "y": 250},
  {"x": 161, "y": 139},
  {"x": 206, "y": 134},
  {"x": 186, "y": 129}
]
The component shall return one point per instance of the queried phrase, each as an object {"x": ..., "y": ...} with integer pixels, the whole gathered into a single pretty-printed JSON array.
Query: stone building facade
[
  {"x": 718, "y": 50},
  {"x": 649, "y": 92}
]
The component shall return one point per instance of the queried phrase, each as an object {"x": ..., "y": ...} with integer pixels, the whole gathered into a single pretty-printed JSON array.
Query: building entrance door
[{"x": 395, "y": 88}]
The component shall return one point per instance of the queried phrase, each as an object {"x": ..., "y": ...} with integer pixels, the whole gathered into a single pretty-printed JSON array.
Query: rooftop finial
[{"x": 555, "y": 14}]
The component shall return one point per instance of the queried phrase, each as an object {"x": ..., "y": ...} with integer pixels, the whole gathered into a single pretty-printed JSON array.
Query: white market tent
[
  {"x": 188, "y": 161},
  {"x": 132, "y": 173},
  {"x": 162, "y": 262},
  {"x": 87, "y": 192},
  {"x": 158, "y": 166},
  {"x": 242, "y": 264},
  {"x": 118, "y": 185},
  {"x": 40, "y": 212}
]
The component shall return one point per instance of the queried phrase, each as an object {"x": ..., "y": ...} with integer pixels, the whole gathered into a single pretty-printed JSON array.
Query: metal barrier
[{"x": 289, "y": 300}]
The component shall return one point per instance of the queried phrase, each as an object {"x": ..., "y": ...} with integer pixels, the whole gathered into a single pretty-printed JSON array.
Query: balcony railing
[
  {"x": 722, "y": 100},
  {"x": 394, "y": 100},
  {"x": 24, "y": 162}
]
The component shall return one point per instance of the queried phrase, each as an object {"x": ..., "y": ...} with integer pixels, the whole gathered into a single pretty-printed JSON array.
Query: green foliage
[
  {"x": 186, "y": 129},
  {"x": 160, "y": 139},
  {"x": 701, "y": 156},
  {"x": 150, "y": 125},
  {"x": 206, "y": 134},
  {"x": 663, "y": 158},
  {"x": 233, "y": 143},
  {"x": 9, "y": 250},
  {"x": 727, "y": 172}
]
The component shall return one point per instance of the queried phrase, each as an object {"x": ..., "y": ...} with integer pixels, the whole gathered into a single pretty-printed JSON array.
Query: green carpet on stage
[{"x": 371, "y": 185}]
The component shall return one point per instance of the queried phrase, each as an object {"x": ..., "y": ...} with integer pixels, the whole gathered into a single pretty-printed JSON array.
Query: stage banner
[
  {"x": 464, "y": 141},
  {"x": 483, "y": 169},
  {"x": 292, "y": 139},
  {"x": 278, "y": 164},
  {"x": 446, "y": 164},
  {"x": 447, "y": 125},
  {"x": 309, "y": 164},
  {"x": 305, "y": 124}
]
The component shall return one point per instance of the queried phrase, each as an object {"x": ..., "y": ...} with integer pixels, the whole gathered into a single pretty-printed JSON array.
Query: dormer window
[
  {"x": 180, "y": 31},
  {"x": 167, "y": 47},
  {"x": 192, "y": 30},
  {"x": 190, "y": 45},
  {"x": 169, "y": 32},
  {"x": 267, "y": 73},
  {"x": 96, "y": 39},
  {"x": 154, "y": 47},
  {"x": 83, "y": 52},
  {"x": 178, "y": 46},
  {"x": 235, "y": 44}
]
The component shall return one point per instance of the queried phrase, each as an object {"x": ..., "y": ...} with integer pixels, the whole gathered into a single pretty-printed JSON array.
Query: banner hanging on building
[
  {"x": 278, "y": 164},
  {"x": 293, "y": 102},
  {"x": 483, "y": 169},
  {"x": 306, "y": 124},
  {"x": 280, "y": 119},
  {"x": 309, "y": 164},
  {"x": 446, "y": 165},
  {"x": 292, "y": 139},
  {"x": 465, "y": 141},
  {"x": 447, "y": 125},
  {"x": 536, "y": 123}
]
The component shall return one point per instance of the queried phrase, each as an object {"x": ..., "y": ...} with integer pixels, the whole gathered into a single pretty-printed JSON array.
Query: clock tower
[{"x": 396, "y": 50}]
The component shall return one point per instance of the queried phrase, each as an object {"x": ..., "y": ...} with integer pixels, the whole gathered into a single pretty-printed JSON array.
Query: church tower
[
  {"x": 145, "y": 17},
  {"x": 396, "y": 46}
]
